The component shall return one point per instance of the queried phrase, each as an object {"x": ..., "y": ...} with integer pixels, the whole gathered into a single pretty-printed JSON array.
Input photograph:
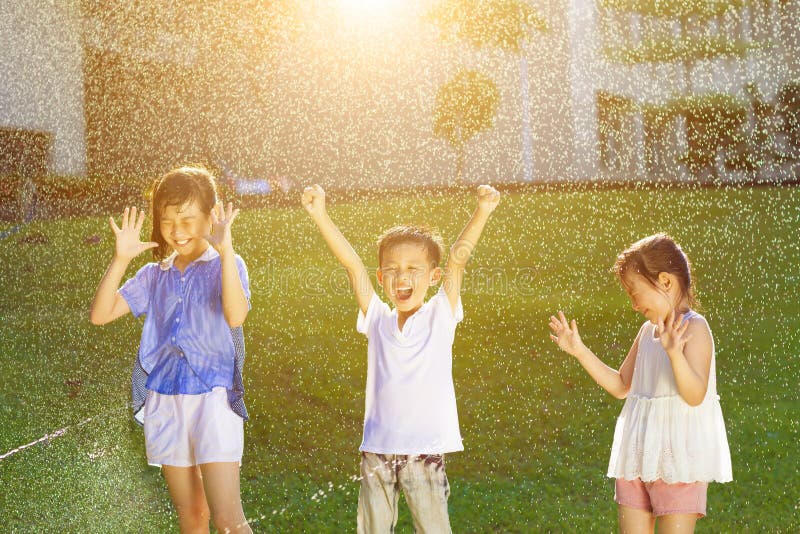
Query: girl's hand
[
  {"x": 221, "y": 221},
  {"x": 313, "y": 200},
  {"x": 128, "y": 244},
  {"x": 488, "y": 198},
  {"x": 566, "y": 334},
  {"x": 672, "y": 333}
]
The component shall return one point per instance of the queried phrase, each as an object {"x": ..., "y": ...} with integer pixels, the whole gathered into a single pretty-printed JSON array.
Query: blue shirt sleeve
[{"x": 138, "y": 290}]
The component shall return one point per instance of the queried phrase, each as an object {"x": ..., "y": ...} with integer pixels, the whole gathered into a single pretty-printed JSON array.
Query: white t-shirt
[{"x": 410, "y": 404}]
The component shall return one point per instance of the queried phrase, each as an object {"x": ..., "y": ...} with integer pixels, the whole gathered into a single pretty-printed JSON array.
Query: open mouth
[
  {"x": 404, "y": 293},
  {"x": 182, "y": 242}
]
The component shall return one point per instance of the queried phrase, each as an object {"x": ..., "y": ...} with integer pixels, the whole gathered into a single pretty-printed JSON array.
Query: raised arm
[
  {"x": 313, "y": 201},
  {"x": 689, "y": 345},
  {"x": 461, "y": 251},
  {"x": 618, "y": 383},
  {"x": 234, "y": 300},
  {"x": 108, "y": 304}
]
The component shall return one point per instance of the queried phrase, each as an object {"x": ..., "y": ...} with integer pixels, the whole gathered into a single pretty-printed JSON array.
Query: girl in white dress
[{"x": 670, "y": 439}]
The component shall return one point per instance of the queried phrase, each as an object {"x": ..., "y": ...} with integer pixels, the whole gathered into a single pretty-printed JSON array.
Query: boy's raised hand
[
  {"x": 566, "y": 334},
  {"x": 128, "y": 245},
  {"x": 221, "y": 220},
  {"x": 488, "y": 198},
  {"x": 313, "y": 200}
]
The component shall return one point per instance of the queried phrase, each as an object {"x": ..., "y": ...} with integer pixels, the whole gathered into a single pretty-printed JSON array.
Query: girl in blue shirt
[{"x": 195, "y": 292}]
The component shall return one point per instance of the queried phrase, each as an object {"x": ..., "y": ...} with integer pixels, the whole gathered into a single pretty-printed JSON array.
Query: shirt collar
[{"x": 208, "y": 255}]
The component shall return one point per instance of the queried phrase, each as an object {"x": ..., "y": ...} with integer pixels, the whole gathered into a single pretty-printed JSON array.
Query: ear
[
  {"x": 665, "y": 279},
  {"x": 436, "y": 275},
  {"x": 379, "y": 274}
]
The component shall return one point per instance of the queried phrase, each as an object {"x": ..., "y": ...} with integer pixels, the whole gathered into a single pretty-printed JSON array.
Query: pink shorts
[{"x": 660, "y": 498}]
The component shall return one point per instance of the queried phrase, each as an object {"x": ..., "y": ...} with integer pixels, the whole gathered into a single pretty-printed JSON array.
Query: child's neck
[
  {"x": 182, "y": 261},
  {"x": 682, "y": 306},
  {"x": 402, "y": 316}
]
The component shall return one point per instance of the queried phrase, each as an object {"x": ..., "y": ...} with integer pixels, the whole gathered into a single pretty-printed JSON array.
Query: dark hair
[
  {"x": 656, "y": 254},
  {"x": 176, "y": 188},
  {"x": 411, "y": 233}
]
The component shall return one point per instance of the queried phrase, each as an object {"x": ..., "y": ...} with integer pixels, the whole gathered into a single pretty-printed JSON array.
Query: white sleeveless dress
[{"x": 658, "y": 435}]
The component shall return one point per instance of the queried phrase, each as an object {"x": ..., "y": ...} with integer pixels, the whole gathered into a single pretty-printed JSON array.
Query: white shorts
[{"x": 187, "y": 430}]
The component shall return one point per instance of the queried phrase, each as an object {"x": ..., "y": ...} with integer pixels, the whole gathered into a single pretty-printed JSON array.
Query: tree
[
  {"x": 465, "y": 105},
  {"x": 789, "y": 111},
  {"x": 688, "y": 46},
  {"x": 699, "y": 37},
  {"x": 713, "y": 121},
  {"x": 498, "y": 24}
]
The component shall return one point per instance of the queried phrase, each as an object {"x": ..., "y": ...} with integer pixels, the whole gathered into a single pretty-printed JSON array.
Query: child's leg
[
  {"x": 678, "y": 506},
  {"x": 635, "y": 520},
  {"x": 378, "y": 495},
  {"x": 186, "y": 489},
  {"x": 424, "y": 483},
  {"x": 677, "y": 523},
  {"x": 221, "y": 483}
]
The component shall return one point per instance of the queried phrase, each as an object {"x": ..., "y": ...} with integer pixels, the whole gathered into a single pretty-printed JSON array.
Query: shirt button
[
  {"x": 182, "y": 278},
  {"x": 180, "y": 299},
  {"x": 177, "y": 320},
  {"x": 173, "y": 339}
]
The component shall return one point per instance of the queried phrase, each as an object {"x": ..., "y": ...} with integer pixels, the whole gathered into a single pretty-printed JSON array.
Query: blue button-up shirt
[{"x": 186, "y": 345}]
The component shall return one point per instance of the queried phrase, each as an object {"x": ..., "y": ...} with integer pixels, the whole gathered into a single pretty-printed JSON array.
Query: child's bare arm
[
  {"x": 108, "y": 304},
  {"x": 460, "y": 252},
  {"x": 314, "y": 202},
  {"x": 234, "y": 300},
  {"x": 691, "y": 362},
  {"x": 617, "y": 383}
]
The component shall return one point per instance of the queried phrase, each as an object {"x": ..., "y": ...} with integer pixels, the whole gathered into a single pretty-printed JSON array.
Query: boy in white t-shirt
[{"x": 410, "y": 418}]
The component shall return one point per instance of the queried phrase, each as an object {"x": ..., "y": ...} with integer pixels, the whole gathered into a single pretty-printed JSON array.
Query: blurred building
[
  {"x": 342, "y": 92},
  {"x": 651, "y": 80},
  {"x": 42, "y": 126},
  {"x": 325, "y": 91}
]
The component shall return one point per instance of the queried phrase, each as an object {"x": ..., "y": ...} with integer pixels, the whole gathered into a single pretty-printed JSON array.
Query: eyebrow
[
  {"x": 395, "y": 266},
  {"x": 191, "y": 216}
]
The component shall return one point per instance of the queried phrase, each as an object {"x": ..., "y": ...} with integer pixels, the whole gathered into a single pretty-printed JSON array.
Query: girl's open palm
[
  {"x": 565, "y": 334},
  {"x": 672, "y": 333},
  {"x": 221, "y": 220},
  {"x": 128, "y": 244}
]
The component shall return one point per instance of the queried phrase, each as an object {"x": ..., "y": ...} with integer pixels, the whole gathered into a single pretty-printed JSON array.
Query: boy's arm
[
  {"x": 460, "y": 252},
  {"x": 108, "y": 304},
  {"x": 234, "y": 300},
  {"x": 313, "y": 201}
]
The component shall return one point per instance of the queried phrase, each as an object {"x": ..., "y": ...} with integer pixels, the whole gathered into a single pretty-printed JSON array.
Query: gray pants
[{"x": 423, "y": 481}]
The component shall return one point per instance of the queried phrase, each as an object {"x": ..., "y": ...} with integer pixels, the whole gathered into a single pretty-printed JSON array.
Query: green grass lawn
[{"x": 537, "y": 430}]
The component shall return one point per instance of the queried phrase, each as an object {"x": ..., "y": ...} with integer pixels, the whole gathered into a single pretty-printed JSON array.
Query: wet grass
[{"x": 537, "y": 430}]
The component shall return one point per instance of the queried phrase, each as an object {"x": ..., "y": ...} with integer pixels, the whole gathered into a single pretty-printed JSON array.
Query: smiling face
[
  {"x": 406, "y": 273},
  {"x": 654, "y": 302},
  {"x": 656, "y": 274},
  {"x": 184, "y": 198},
  {"x": 184, "y": 229}
]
